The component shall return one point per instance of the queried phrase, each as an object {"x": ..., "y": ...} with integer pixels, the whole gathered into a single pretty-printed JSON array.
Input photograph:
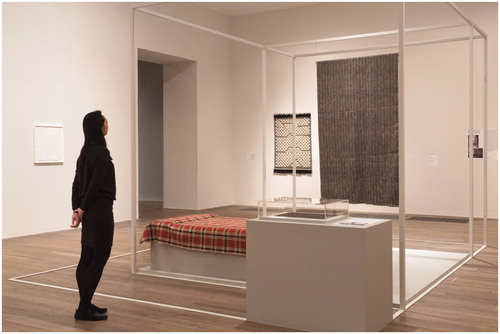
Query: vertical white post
[
  {"x": 294, "y": 140},
  {"x": 133, "y": 204},
  {"x": 264, "y": 115},
  {"x": 401, "y": 116},
  {"x": 485, "y": 154},
  {"x": 471, "y": 138}
]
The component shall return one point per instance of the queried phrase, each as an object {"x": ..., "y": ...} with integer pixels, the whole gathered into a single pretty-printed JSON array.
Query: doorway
[
  {"x": 150, "y": 132},
  {"x": 167, "y": 131}
]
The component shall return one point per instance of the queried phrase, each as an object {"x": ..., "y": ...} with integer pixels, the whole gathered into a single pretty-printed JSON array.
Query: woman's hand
[
  {"x": 76, "y": 218},
  {"x": 80, "y": 213}
]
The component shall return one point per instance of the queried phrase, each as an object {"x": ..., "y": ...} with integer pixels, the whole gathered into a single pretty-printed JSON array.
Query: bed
[{"x": 200, "y": 247}]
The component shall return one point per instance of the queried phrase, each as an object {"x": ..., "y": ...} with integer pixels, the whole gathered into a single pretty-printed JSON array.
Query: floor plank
[{"x": 465, "y": 301}]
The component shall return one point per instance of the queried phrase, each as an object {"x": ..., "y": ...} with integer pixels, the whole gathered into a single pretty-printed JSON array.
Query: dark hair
[{"x": 92, "y": 129}]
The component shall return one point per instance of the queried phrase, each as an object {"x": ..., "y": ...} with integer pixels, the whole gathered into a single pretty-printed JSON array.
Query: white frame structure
[{"x": 401, "y": 46}]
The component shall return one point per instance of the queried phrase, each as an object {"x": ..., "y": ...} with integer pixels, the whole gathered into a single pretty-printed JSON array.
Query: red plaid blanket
[{"x": 209, "y": 233}]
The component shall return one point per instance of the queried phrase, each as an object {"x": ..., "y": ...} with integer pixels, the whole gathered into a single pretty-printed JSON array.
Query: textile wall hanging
[
  {"x": 358, "y": 129},
  {"x": 283, "y": 144}
]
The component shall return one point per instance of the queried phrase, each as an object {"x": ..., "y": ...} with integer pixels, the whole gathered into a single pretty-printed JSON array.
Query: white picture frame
[{"x": 48, "y": 144}]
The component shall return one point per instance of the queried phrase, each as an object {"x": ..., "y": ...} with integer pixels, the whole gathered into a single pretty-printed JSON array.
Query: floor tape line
[
  {"x": 179, "y": 308},
  {"x": 72, "y": 266}
]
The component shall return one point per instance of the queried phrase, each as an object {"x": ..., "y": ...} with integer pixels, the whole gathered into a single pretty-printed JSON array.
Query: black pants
[{"x": 89, "y": 272}]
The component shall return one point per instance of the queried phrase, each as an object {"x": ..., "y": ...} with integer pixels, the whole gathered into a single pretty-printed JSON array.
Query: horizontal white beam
[
  {"x": 368, "y": 48},
  {"x": 273, "y": 48},
  {"x": 196, "y": 26},
  {"x": 437, "y": 41},
  {"x": 386, "y": 46},
  {"x": 138, "y": 5},
  {"x": 368, "y": 35},
  {"x": 281, "y": 52}
]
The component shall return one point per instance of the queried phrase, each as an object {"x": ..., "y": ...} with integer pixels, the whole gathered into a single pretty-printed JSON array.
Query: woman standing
[{"x": 93, "y": 193}]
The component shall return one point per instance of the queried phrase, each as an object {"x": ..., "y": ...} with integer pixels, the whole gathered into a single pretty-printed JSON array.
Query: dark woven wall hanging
[
  {"x": 358, "y": 129},
  {"x": 283, "y": 144}
]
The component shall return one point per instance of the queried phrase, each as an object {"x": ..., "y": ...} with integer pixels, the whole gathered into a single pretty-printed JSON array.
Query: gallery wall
[
  {"x": 437, "y": 187},
  {"x": 61, "y": 61},
  {"x": 198, "y": 175},
  {"x": 180, "y": 125}
]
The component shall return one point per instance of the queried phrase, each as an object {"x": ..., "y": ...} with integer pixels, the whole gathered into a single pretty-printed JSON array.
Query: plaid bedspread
[{"x": 208, "y": 232}]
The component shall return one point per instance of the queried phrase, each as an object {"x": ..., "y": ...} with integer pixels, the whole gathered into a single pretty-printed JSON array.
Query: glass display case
[{"x": 309, "y": 210}]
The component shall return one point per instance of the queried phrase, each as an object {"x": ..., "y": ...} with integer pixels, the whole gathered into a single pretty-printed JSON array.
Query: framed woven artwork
[
  {"x": 283, "y": 144},
  {"x": 358, "y": 129}
]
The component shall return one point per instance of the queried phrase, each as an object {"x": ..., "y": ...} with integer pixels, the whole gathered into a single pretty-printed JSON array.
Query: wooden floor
[{"x": 45, "y": 300}]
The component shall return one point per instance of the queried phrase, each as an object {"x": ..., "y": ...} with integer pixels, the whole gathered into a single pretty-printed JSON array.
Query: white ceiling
[{"x": 246, "y": 8}]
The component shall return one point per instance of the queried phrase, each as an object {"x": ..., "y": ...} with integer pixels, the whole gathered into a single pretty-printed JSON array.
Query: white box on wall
[{"x": 48, "y": 144}]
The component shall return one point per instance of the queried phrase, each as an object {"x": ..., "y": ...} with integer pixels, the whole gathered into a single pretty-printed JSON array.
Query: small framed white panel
[{"x": 48, "y": 144}]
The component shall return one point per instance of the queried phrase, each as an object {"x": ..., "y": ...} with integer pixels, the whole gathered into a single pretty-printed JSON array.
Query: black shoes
[
  {"x": 90, "y": 315},
  {"x": 100, "y": 310}
]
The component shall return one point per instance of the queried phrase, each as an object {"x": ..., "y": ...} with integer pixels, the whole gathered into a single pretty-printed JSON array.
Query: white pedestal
[
  {"x": 320, "y": 277},
  {"x": 176, "y": 260}
]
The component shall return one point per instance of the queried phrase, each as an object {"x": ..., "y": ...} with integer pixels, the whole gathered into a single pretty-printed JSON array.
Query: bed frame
[{"x": 191, "y": 265}]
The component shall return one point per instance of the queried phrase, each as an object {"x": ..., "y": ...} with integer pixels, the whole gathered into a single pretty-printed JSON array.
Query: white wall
[
  {"x": 247, "y": 137},
  {"x": 243, "y": 127},
  {"x": 181, "y": 136},
  {"x": 429, "y": 191},
  {"x": 437, "y": 169},
  {"x": 213, "y": 127},
  {"x": 61, "y": 61}
]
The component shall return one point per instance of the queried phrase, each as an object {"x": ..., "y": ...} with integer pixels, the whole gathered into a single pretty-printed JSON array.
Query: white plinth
[
  {"x": 320, "y": 277},
  {"x": 176, "y": 260}
]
